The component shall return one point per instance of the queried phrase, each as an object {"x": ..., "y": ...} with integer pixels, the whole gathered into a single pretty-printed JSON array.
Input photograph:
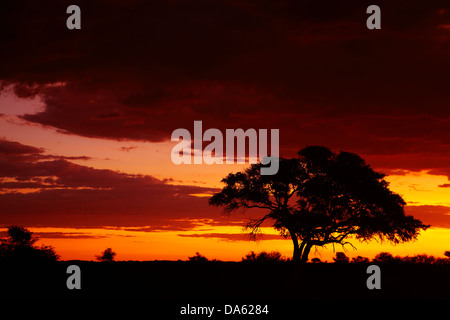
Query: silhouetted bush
[
  {"x": 19, "y": 247},
  {"x": 263, "y": 256},
  {"x": 198, "y": 258},
  {"x": 442, "y": 261},
  {"x": 360, "y": 259},
  {"x": 341, "y": 258},
  {"x": 385, "y": 257},
  {"x": 420, "y": 258}
]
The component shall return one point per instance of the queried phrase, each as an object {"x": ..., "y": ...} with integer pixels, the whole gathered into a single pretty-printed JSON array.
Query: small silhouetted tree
[
  {"x": 447, "y": 254},
  {"x": 320, "y": 198},
  {"x": 341, "y": 258},
  {"x": 106, "y": 256},
  {"x": 20, "y": 237},
  {"x": 19, "y": 247},
  {"x": 198, "y": 258}
]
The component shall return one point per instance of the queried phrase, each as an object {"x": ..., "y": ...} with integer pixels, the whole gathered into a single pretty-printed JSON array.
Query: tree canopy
[
  {"x": 19, "y": 247},
  {"x": 320, "y": 198},
  {"x": 107, "y": 255}
]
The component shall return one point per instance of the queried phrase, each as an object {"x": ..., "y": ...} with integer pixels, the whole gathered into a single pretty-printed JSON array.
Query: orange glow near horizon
[
  {"x": 170, "y": 245},
  {"x": 421, "y": 188},
  {"x": 145, "y": 158}
]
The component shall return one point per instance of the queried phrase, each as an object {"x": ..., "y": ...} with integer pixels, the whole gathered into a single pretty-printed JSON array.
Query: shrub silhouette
[
  {"x": 341, "y": 258},
  {"x": 19, "y": 247},
  {"x": 360, "y": 259},
  {"x": 198, "y": 258},
  {"x": 420, "y": 258},
  {"x": 106, "y": 256},
  {"x": 263, "y": 256},
  {"x": 385, "y": 257}
]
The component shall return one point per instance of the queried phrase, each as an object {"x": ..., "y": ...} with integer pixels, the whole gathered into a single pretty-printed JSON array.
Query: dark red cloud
[
  {"x": 310, "y": 68},
  {"x": 12, "y": 148},
  {"x": 436, "y": 216},
  {"x": 14, "y": 153},
  {"x": 64, "y": 194},
  {"x": 152, "y": 208},
  {"x": 65, "y": 235},
  {"x": 232, "y": 236},
  {"x": 69, "y": 235},
  {"x": 445, "y": 185},
  {"x": 138, "y": 71}
]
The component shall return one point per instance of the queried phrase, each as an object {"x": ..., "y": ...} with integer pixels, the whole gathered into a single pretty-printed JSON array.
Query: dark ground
[{"x": 180, "y": 283}]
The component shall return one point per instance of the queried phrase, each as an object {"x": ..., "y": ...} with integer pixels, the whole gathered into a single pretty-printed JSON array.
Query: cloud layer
[
  {"x": 40, "y": 192},
  {"x": 138, "y": 71},
  {"x": 311, "y": 69},
  {"x": 44, "y": 190}
]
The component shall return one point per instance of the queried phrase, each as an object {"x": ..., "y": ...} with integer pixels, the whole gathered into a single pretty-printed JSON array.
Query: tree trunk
[
  {"x": 300, "y": 263},
  {"x": 305, "y": 253},
  {"x": 301, "y": 252},
  {"x": 297, "y": 253}
]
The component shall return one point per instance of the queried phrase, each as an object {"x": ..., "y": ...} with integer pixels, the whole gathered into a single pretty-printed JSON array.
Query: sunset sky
[{"x": 86, "y": 115}]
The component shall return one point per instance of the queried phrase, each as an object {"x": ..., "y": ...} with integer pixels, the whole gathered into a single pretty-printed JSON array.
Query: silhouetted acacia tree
[
  {"x": 106, "y": 256},
  {"x": 320, "y": 198},
  {"x": 19, "y": 247}
]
